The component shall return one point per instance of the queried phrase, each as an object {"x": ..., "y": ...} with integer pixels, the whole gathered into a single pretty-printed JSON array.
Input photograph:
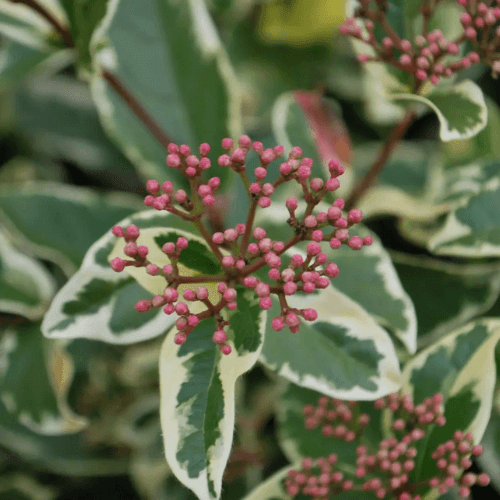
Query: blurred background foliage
[{"x": 73, "y": 161}]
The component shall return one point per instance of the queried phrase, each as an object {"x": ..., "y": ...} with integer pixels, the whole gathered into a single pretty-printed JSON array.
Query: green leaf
[
  {"x": 169, "y": 56},
  {"x": 98, "y": 303},
  {"x": 26, "y": 287},
  {"x": 34, "y": 380},
  {"x": 84, "y": 16},
  {"x": 483, "y": 145},
  {"x": 473, "y": 229},
  {"x": 197, "y": 395},
  {"x": 460, "y": 108},
  {"x": 59, "y": 117},
  {"x": 446, "y": 295},
  {"x": 68, "y": 219},
  {"x": 461, "y": 367},
  {"x": 18, "y": 61},
  {"x": 343, "y": 354},
  {"x": 273, "y": 487}
]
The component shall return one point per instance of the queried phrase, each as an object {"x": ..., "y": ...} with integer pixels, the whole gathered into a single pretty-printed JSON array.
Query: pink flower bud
[
  {"x": 152, "y": 269},
  {"x": 356, "y": 243},
  {"x": 310, "y": 221},
  {"x": 303, "y": 172},
  {"x": 332, "y": 184},
  {"x": 266, "y": 303},
  {"x": 262, "y": 290},
  {"x": 310, "y": 314},
  {"x": 268, "y": 189},
  {"x": 291, "y": 319},
  {"x": 130, "y": 249},
  {"x": 182, "y": 243},
  {"x": 238, "y": 155},
  {"x": 335, "y": 243},
  {"x": 230, "y": 235},
  {"x": 341, "y": 223},
  {"x": 225, "y": 349},
  {"x": 470, "y": 33},
  {"x": 180, "y": 196},
  {"x": 332, "y": 270},
  {"x": 117, "y": 264},
  {"x": 317, "y": 235},
  {"x": 132, "y": 232},
  {"x": 285, "y": 169},
  {"x": 316, "y": 184},
  {"x": 313, "y": 248},
  {"x": 169, "y": 309},
  {"x": 289, "y": 288},
  {"x": 180, "y": 338},
  {"x": 152, "y": 186},
  {"x": 189, "y": 295},
  {"x": 143, "y": 306},
  {"x": 224, "y": 160},
  {"x": 278, "y": 324},
  {"x": 260, "y": 173},
  {"x": 204, "y": 190},
  {"x": 228, "y": 261},
  {"x": 230, "y": 295},
  {"x": 218, "y": 238},
  {"x": 181, "y": 323},
  {"x": 405, "y": 60},
  {"x": 296, "y": 261},
  {"x": 250, "y": 282},
  {"x": 221, "y": 287},
  {"x": 172, "y": 148},
  {"x": 254, "y": 188},
  {"x": 274, "y": 274},
  {"x": 181, "y": 308},
  {"x": 264, "y": 202},
  {"x": 477, "y": 450},
  {"x": 265, "y": 245},
  {"x": 292, "y": 203},
  {"x": 173, "y": 160},
  {"x": 405, "y": 45},
  {"x": 259, "y": 233},
  {"x": 253, "y": 248}
]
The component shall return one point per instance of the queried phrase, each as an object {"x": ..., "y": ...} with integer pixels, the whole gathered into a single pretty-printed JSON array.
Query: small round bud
[
  {"x": 173, "y": 160},
  {"x": 182, "y": 243},
  {"x": 118, "y": 265},
  {"x": 266, "y": 303},
  {"x": 227, "y": 143},
  {"x": 142, "y": 306},
  {"x": 226, "y": 349},
  {"x": 332, "y": 184},
  {"x": 219, "y": 337},
  {"x": 180, "y": 338},
  {"x": 189, "y": 295},
  {"x": 228, "y": 261}
]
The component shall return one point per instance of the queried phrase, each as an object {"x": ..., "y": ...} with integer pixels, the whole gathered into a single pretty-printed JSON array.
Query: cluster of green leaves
[{"x": 86, "y": 398}]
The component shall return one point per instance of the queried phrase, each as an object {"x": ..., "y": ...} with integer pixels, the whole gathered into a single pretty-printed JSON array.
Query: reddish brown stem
[
  {"x": 396, "y": 135},
  {"x": 115, "y": 83},
  {"x": 136, "y": 107},
  {"x": 62, "y": 30}
]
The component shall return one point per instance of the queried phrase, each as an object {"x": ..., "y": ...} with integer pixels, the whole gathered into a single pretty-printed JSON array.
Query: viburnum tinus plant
[
  {"x": 247, "y": 248},
  {"x": 369, "y": 307}
]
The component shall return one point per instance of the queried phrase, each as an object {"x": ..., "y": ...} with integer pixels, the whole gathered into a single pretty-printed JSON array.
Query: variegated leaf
[
  {"x": 197, "y": 395},
  {"x": 26, "y": 287},
  {"x": 34, "y": 380},
  {"x": 343, "y": 354},
  {"x": 387, "y": 302},
  {"x": 69, "y": 219},
  {"x": 192, "y": 107},
  {"x": 461, "y": 367},
  {"x": 473, "y": 229},
  {"x": 446, "y": 295},
  {"x": 460, "y": 108},
  {"x": 98, "y": 303}
]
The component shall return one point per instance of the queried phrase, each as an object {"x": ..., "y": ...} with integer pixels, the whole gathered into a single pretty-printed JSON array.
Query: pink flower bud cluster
[
  {"x": 421, "y": 58},
  {"x": 384, "y": 471},
  {"x": 245, "y": 249},
  {"x": 480, "y": 21}
]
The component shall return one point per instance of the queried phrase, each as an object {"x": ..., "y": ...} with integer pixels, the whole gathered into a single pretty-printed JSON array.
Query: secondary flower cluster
[
  {"x": 479, "y": 22},
  {"x": 423, "y": 57},
  {"x": 244, "y": 249},
  {"x": 384, "y": 471}
]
